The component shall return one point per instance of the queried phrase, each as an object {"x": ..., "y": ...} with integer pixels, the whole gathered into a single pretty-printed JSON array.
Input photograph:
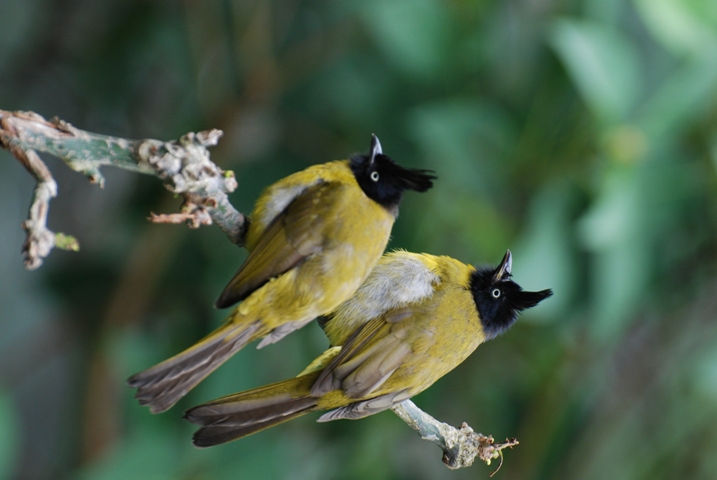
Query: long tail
[
  {"x": 236, "y": 416},
  {"x": 163, "y": 385}
]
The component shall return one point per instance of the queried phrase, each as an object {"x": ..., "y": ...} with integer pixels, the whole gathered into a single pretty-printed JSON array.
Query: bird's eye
[
  {"x": 495, "y": 293},
  {"x": 374, "y": 176}
]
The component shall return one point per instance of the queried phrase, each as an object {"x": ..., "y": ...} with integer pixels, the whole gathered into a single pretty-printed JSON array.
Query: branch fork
[{"x": 184, "y": 166}]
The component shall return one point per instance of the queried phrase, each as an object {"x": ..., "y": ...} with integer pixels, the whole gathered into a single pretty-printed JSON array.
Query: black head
[
  {"x": 499, "y": 299},
  {"x": 383, "y": 180}
]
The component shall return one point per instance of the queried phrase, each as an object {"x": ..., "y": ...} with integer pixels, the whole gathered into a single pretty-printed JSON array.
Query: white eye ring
[
  {"x": 495, "y": 292},
  {"x": 374, "y": 176}
]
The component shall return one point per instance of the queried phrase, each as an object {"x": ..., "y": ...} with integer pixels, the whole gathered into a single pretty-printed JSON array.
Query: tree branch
[
  {"x": 460, "y": 446},
  {"x": 185, "y": 168},
  {"x": 183, "y": 165}
]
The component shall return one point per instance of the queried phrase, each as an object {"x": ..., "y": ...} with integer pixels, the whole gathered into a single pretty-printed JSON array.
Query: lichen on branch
[
  {"x": 184, "y": 166},
  {"x": 460, "y": 446}
]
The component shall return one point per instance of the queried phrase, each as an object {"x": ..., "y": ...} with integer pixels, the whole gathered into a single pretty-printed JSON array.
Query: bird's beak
[
  {"x": 375, "y": 148},
  {"x": 503, "y": 270}
]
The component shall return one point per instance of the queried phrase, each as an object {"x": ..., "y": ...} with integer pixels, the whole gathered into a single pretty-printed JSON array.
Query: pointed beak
[
  {"x": 375, "y": 148},
  {"x": 505, "y": 267}
]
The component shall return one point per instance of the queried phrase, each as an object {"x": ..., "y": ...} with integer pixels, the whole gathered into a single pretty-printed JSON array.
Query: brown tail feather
[
  {"x": 234, "y": 429},
  {"x": 242, "y": 414},
  {"x": 163, "y": 385}
]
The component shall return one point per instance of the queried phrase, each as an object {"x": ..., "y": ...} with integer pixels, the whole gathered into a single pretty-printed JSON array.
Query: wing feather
[
  {"x": 369, "y": 358},
  {"x": 364, "y": 408},
  {"x": 292, "y": 236},
  {"x": 326, "y": 381}
]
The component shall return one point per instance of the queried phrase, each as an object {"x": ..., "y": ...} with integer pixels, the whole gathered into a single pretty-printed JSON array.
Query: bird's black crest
[
  {"x": 384, "y": 181},
  {"x": 500, "y": 300}
]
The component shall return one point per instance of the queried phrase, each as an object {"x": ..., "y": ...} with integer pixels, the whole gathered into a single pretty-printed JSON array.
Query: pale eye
[
  {"x": 495, "y": 293},
  {"x": 374, "y": 176}
]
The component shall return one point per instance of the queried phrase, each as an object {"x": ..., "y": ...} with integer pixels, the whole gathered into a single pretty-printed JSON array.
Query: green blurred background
[{"x": 581, "y": 134}]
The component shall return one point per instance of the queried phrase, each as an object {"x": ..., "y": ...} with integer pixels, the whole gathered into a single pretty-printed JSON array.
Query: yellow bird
[
  {"x": 314, "y": 237},
  {"x": 414, "y": 319}
]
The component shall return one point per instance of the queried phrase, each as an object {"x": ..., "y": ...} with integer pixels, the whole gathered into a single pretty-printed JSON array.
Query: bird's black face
[
  {"x": 383, "y": 180},
  {"x": 499, "y": 299}
]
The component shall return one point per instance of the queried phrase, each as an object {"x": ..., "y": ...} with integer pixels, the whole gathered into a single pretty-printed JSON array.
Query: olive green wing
[
  {"x": 371, "y": 355},
  {"x": 296, "y": 233}
]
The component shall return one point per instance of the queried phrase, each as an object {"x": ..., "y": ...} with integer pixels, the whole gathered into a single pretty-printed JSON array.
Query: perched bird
[
  {"x": 313, "y": 238},
  {"x": 414, "y": 319}
]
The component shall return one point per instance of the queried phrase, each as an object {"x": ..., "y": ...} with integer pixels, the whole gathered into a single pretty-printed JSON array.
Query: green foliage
[
  {"x": 580, "y": 134},
  {"x": 602, "y": 64},
  {"x": 9, "y": 432}
]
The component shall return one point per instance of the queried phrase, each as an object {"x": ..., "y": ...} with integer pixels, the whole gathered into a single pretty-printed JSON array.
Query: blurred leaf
[
  {"x": 613, "y": 215},
  {"x": 471, "y": 229},
  {"x": 379, "y": 441},
  {"x": 147, "y": 453},
  {"x": 611, "y": 229},
  {"x": 545, "y": 255},
  {"x": 10, "y": 436},
  {"x": 308, "y": 459},
  {"x": 680, "y": 100},
  {"x": 682, "y": 26},
  {"x": 412, "y": 33},
  {"x": 602, "y": 63},
  {"x": 606, "y": 11},
  {"x": 625, "y": 144},
  {"x": 511, "y": 48},
  {"x": 705, "y": 374},
  {"x": 636, "y": 207},
  {"x": 350, "y": 90},
  {"x": 467, "y": 141},
  {"x": 713, "y": 151}
]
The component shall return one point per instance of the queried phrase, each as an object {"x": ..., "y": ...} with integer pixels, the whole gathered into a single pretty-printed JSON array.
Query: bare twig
[
  {"x": 183, "y": 166},
  {"x": 40, "y": 240},
  {"x": 460, "y": 445},
  {"x": 191, "y": 214}
]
